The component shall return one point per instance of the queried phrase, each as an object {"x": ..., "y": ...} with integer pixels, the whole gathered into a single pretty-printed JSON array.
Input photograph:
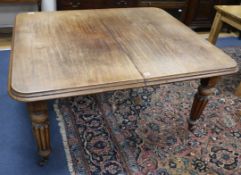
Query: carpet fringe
[{"x": 61, "y": 124}]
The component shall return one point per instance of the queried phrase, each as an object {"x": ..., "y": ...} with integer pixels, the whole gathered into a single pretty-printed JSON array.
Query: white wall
[
  {"x": 48, "y": 5},
  {"x": 9, "y": 11}
]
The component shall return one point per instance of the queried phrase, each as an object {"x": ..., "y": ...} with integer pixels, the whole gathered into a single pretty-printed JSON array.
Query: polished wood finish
[
  {"x": 70, "y": 53},
  {"x": 113, "y": 49},
  {"x": 205, "y": 89},
  {"x": 39, "y": 117},
  {"x": 230, "y": 15}
]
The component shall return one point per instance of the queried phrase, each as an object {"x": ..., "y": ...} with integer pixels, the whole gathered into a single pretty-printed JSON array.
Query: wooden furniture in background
[
  {"x": 230, "y": 15},
  {"x": 94, "y": 4},
  {"x": 70, "y": 53},
  {"x": 175, "y": 7},
  {"x": 197, "y": 14},
  {"x": 200, "y": 13}
]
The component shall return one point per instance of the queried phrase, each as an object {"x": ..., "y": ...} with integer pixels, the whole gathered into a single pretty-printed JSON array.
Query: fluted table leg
[
  {"x": 40, "y": 124},
  {"x": 205, "y": 89}
]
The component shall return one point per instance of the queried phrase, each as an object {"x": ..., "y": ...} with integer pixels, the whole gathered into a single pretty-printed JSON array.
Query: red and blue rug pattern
[{"x": 143, "y": 131}]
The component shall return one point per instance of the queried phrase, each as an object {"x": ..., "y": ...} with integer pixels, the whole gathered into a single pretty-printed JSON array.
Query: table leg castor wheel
[{"x": 43, "y": 161}]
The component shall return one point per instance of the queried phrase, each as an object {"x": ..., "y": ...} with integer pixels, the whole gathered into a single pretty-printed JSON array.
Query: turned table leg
[
  {"x": 205, "y": 89},
  {"x": 40, "y": 124},
  {"x": 238, "y": 91}
]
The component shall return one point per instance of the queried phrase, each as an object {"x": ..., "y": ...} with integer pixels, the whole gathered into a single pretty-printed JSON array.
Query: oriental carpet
[{"x": 143, "y": 131}]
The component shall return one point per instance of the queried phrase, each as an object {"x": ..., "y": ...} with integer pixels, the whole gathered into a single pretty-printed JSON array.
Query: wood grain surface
[
  {"x": 60, "y": 54},
  {"x": 230, "y": 10}
]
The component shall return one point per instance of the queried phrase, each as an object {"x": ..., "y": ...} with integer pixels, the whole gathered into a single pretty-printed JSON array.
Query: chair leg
[{"x": 216, "y": 28}]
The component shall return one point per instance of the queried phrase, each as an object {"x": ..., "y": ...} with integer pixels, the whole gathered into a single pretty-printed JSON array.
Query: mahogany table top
[{"x": 69, "y": 53}]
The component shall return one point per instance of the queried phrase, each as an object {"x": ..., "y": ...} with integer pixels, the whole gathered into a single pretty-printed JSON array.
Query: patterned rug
[{"x": 143, "y": 131}]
